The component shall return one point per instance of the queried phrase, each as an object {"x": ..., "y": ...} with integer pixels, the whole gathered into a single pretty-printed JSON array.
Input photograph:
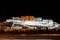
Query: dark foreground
[
  {"x": 41, "y": 34},
  {"x": 29, "y": 36}
]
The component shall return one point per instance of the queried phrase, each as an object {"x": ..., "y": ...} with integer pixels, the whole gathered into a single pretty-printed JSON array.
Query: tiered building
[{"x": 32, "y": 22}]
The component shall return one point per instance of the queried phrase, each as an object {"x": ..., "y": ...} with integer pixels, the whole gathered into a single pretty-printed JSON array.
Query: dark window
[
  {"x": 17, "y": 25},
  {"x": 8, "y": 24}
]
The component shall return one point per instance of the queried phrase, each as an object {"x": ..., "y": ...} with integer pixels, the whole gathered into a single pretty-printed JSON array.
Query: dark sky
[{"x": 48, "y": 11}]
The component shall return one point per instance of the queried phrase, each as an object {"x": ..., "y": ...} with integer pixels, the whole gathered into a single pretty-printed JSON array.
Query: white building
[{"x": 37, "y": 22}]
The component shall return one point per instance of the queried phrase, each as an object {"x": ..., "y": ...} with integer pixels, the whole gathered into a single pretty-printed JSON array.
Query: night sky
[{"x": 46, "y": 11}]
